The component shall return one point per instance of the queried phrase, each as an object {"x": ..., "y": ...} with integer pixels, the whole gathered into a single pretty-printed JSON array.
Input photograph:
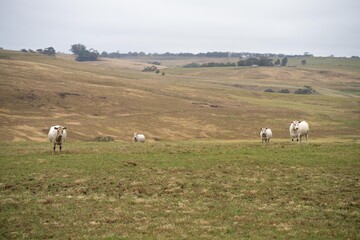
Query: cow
[
  {"x": 57, "y": 135},
  {"x": 139, "y": 137},
  {"x": 265, "y": 134},
  {"x": 298, "y": 129}
]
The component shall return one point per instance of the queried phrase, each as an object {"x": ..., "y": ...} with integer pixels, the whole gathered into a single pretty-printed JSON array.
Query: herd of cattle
[{"x": 297, "y": 129}]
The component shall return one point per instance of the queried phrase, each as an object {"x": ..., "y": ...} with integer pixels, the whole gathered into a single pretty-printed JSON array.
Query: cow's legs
[
  {"x": 60, "y": 147},
  {"x": 306, "y": 135},
  {"x": 54, "y": 147}
]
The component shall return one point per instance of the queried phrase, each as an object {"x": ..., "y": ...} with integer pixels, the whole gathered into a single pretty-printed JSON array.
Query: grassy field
[
  {"x": 203, "y": 172},
  {"x": 180, "y": 190}
]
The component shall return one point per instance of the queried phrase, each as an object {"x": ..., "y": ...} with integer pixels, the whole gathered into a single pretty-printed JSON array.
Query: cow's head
[
  {"x": 263, "y": 132},
  {"x": 296, "y": 125},
  {"x": 134, "y": 137},
  {"x": 60, "y": 132}
]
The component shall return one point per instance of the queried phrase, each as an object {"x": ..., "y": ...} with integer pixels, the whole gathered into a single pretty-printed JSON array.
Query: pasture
[
  {"x": 114, "y": 98},
  {"x": 203, "y": 171},
  {"x": 180, "y": 190}
]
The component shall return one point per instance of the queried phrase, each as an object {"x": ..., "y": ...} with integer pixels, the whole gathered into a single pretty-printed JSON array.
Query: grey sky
[{"x": 321, "y": 27}]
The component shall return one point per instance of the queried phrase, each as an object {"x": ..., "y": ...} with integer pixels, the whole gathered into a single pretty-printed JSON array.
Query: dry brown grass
[{"x": 114, "y": 98}]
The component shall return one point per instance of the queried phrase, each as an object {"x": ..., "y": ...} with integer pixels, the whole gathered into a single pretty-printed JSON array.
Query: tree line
[
  {"x": 50, "y": 51},
  {"x": 267, "y": 62},
  {"x": 207, "y": 54},
  {"x": 246, "y": 58}
]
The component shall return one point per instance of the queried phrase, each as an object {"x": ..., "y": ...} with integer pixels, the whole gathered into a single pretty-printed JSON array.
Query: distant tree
[
  {"x": 303, "y": 62},
  {"x": 158, "y": 71},
  {"x": 192, "y": 65},
  {"x": 23, "y": 50},
  {"x": 252, "y": 61},
  {"x": 88, "y": 56},
  {"x": 277, "y": 62},
  {"x": 269, "y": 90},
  {"x": 284, "y": 61},
  {"x": 78, "y": 49},
  {"x": 104, "y": 54},
  {"x": 150, "y": 69},
  {"x": 266, "y": 62},
  {"x": 83, "y": 54},
  {"x": 285, "y": 90},
  {"x": 49, "y": 51},
  {"x": 39, "y": 50},
  {"x": 305, "y": 90},
  {"x": 241, "y": 63}
]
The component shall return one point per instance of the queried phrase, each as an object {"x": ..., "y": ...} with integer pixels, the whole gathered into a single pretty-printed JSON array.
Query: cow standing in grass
[
  {"x": 298, "y": 129},
  {"x": 139, "y": 137},
  {"x": 265, "y": 134},
  {"x": 57, "y": 135}
]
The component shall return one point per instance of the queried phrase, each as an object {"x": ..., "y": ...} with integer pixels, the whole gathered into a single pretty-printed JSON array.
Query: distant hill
[{"x": 113, "y": 97}]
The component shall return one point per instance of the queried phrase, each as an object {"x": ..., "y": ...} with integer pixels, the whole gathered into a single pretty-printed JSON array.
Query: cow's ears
[
  {"x": 64, "y": 127},
  {"x": 300, "y": 121},
  {"x": 56, "y": 128},
  {"x": 266, "y": 128}
]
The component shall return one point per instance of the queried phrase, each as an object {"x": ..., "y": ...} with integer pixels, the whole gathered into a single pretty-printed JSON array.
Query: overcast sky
[{"x": 321, "y": 27}]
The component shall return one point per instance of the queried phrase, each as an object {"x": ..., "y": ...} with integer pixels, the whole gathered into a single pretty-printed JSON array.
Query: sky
[{"x": 320, "y": 27}]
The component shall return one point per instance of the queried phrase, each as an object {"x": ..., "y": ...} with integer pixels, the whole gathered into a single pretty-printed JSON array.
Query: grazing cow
[
  {"x": 57, "y": 135},
  {"x": 298, "y": 129},
  {"x": 139, "y": 137},
  {"x": 265, "y": 134}
]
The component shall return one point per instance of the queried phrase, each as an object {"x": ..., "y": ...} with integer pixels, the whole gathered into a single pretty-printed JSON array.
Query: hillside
[{"x": 113, "y": 97}]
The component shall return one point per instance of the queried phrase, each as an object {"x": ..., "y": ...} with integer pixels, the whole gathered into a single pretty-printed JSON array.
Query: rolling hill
[{"x": 113, "y": 97}]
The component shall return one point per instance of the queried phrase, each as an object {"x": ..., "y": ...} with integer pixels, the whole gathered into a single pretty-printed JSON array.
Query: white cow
[
  {"x": 298, "y": 129},
  {"x": 139, "y": 137},
  {"x": 265, "y": 134},
  {"x": 57, "y": 135}
]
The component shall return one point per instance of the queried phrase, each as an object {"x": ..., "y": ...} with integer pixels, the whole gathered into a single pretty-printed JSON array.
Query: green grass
[{"x": 180, "y": 190}]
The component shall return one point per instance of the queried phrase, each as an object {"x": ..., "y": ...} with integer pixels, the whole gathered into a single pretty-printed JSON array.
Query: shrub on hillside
[
  {"x": 191, "y": 65},
  {"x": 285, "y": 90},
  {"x": 305, "y": 90},
  {"x": 150, "y": 69},
  {"x": 269, "y": 90}
]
